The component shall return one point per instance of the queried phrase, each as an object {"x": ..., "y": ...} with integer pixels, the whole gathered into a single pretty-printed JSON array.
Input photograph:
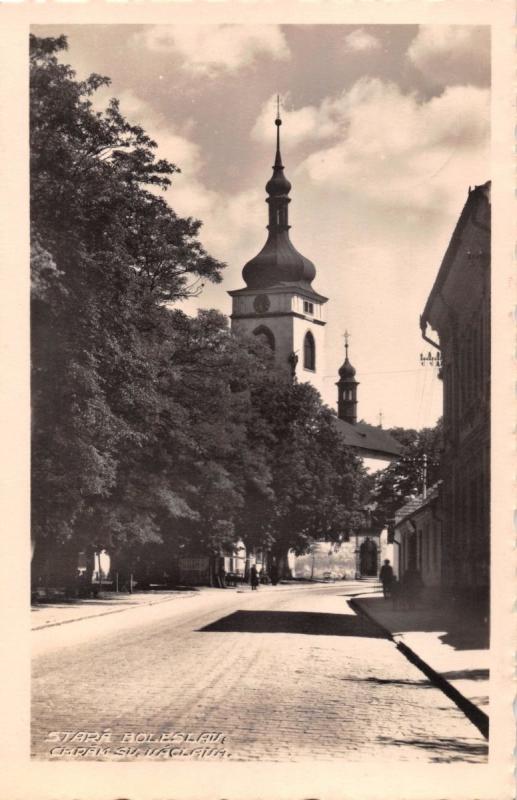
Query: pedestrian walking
[
  {"x": 254, "y": 577},
  {"x": 386, "y": 576},
  {"x": 274, "y": 574}
]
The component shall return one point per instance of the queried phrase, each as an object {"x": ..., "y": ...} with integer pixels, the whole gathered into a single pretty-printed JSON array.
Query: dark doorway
[
  {"x": 412, "y": 552},
  {"x": 368, "y": 557}
]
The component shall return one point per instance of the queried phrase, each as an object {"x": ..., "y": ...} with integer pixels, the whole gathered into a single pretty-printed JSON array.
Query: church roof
[
  {"x": 368, "y": 438},
  {"x": 346, "y": 370},
  {"x": 278, "y": 262}
]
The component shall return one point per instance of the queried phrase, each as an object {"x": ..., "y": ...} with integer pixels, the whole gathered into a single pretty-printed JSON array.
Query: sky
[{"x": 385, "y": 127}]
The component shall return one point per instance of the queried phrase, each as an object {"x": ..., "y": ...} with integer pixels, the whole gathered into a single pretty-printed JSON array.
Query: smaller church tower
[{"x": 347, "y": 390}]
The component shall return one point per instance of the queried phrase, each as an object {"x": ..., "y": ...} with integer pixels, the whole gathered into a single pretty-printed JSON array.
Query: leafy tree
[
  {"x": 154, "y": 434},
  {"x": 107, "y": 254},
  {"x": 315, "y": 480},
  {"x": 404, "y": 477}
]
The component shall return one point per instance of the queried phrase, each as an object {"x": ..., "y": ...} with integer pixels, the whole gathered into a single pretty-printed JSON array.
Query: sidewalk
[
  {"x": 60, "y": 612},
  {"x": 451, "y": 643}
]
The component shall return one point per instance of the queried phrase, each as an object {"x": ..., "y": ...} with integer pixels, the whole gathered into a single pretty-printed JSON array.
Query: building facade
[
  {"x": 418, "y": 537},
  {"x": 458, "y": 312}
]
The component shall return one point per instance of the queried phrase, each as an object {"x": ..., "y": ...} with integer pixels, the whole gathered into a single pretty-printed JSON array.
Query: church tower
[
  {"x": 278, "y": 301},
  {"x": 347, "y": 390}
]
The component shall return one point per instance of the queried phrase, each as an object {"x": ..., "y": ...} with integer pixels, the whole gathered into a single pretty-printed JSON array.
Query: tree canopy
[
  {"x": 152, "y": 430},
  {"x": 106, "y": 254},
  {"x": 404, "y": 478}
]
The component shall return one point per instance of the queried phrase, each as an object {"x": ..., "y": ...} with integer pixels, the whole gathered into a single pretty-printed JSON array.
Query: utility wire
[{"x": 387, "y": 372}]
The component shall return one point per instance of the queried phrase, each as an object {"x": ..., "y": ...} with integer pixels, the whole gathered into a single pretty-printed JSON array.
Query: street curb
[
  {"x": 128, "y": 608},
  {"x": 115, "y": 611},
  {"x": 471, "y": 711}
]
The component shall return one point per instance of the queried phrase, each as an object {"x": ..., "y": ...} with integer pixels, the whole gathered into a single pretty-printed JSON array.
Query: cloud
[
  {"x": 299, "y": 125},
  {"x": 232, "y": 223},
  {"x": 452, "y": 54},
  {"x": 208, "y": 50},
  {"x": 398, "y": 152},
  {"x": 360, "y": 41}
]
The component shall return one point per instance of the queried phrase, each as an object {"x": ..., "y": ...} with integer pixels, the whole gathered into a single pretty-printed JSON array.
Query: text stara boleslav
[{"x": 107, "y": 743}]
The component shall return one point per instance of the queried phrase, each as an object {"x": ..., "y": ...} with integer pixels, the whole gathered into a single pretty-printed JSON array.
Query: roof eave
[{"x": 450, "y": 254}]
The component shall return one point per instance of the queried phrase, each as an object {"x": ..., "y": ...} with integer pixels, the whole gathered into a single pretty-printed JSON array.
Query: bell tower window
[
  {"x": 309, "y": 352},
  {"x": 266, "y": 335}
]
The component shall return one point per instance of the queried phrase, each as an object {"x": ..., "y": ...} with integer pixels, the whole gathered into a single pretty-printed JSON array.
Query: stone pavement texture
[
  {"x": 282, "y": 674},
  {"x": 453, "y": 643}
]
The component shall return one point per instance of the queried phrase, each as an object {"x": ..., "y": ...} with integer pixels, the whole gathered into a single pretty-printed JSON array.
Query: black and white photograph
[{"x": 261, "y": 400}]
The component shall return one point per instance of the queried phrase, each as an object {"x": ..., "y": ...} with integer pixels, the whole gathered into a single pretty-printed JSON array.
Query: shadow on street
[
  {"x": 307, "y": 622},
  {"x": 467, "y": 675},
  {"x": 459, "y": 630},
  {"x": 422, "y": 684}
]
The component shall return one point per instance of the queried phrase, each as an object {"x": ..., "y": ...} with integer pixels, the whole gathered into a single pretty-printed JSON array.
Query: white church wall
[
  {"x": 373, "y": 465},
  {"x": 298, "y": 306},
  {"x": 289, "y": 331},
  {"x": 300, "y": 328},
  {"x": 326, "y": 560}
]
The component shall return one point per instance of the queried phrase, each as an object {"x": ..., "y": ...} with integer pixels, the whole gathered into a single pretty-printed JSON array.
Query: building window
[
  {"x": 309, "y": 352},
  {"x": 308, "y": 307},
  {"x": 266, "y": 335}
]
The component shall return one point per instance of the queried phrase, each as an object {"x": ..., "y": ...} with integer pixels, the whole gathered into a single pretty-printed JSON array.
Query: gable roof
[
  {"x": 415, "y": 504},
  {"x": 368, "y": 438},
  {"x": 476, "y": 196}
]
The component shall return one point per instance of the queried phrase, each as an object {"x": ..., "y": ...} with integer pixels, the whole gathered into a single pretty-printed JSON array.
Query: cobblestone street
[{"x": 282, "y": 674}]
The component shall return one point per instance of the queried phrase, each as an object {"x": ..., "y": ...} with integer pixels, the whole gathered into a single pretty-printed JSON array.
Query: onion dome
[
  {"x": 346, "y": 370},
  {"x": 278, "y": 262}
]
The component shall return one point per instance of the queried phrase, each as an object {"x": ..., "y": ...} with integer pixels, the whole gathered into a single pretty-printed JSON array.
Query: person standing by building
[
  {"x": 386, "y": 577},
  {"x": 254, "y": 577}
]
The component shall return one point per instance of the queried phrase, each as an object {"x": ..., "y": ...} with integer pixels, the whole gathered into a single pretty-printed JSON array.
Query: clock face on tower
[{"x": 261, "y": 303}]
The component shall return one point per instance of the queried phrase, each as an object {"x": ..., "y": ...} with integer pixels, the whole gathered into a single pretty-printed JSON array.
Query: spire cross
[
  {"x": 346, "y": 337},
  {"x": 278, "y": 106}
]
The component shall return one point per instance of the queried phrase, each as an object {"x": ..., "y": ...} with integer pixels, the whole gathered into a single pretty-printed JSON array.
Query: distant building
[
  {"x": 458, "y": 310},
  {"x": 418, "y": 537}
]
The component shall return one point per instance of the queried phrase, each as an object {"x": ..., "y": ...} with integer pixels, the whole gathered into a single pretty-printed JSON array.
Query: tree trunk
[{"x": 282, "y": 560}]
